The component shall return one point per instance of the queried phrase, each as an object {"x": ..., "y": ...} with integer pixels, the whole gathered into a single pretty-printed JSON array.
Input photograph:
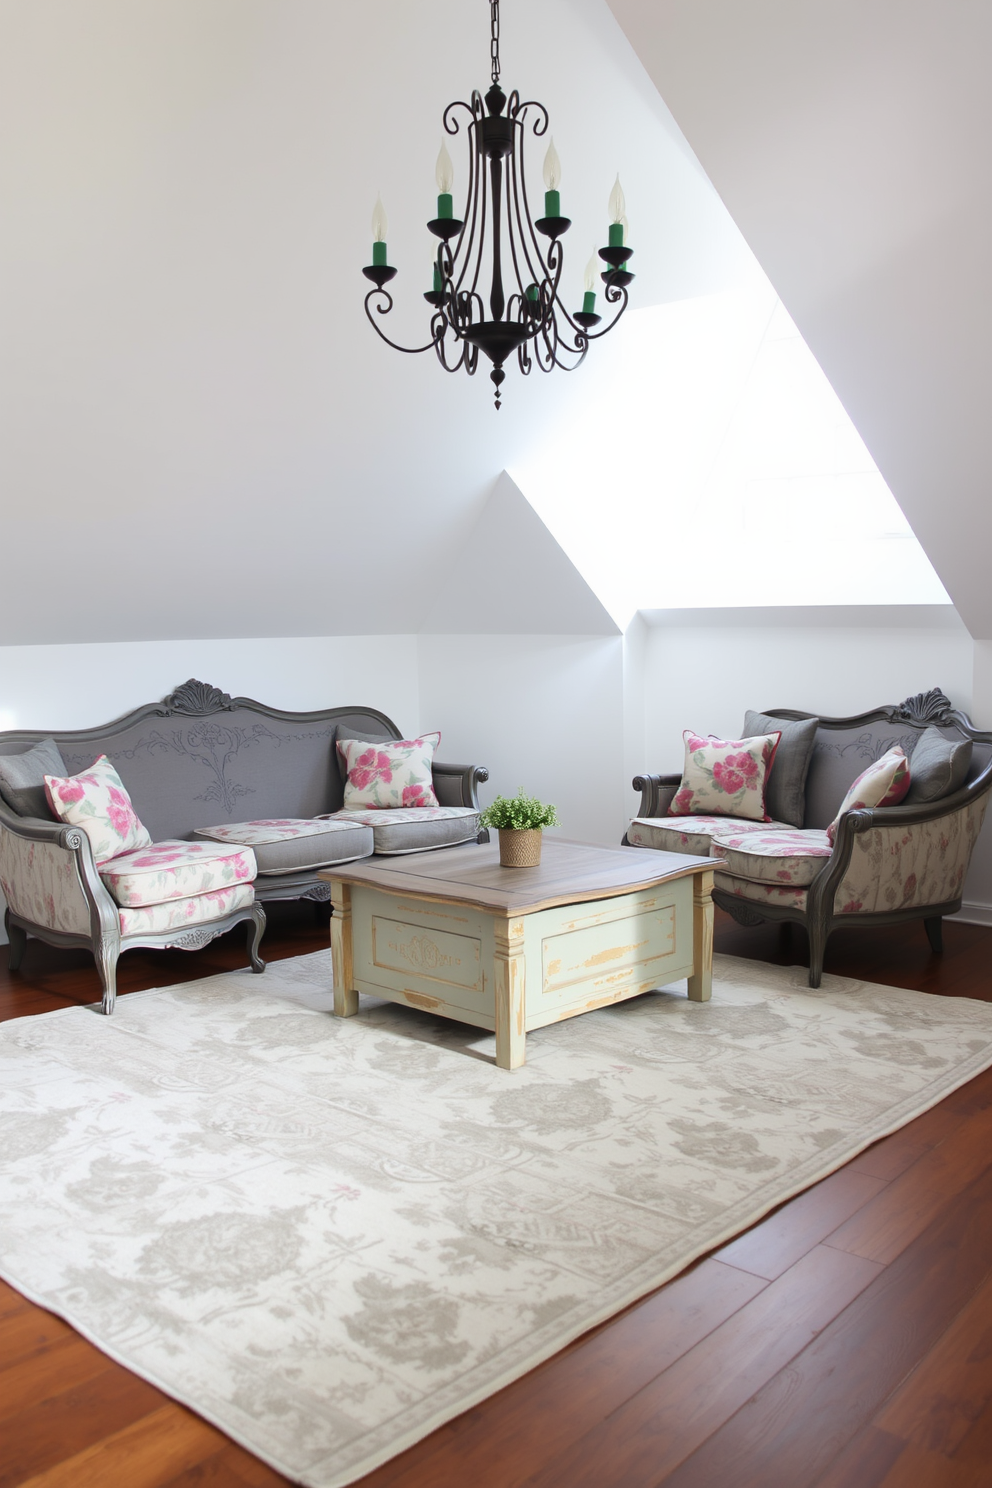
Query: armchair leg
[
  {"x": 106, "y": 956},
  {"x": 256, "y": 929},
  {"x": 935, "y": 933},
  {"x": 818, "y": 933},
  {"x": 18, "y": 941}
]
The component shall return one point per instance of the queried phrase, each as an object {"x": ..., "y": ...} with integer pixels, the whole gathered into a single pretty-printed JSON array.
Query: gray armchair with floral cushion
[{"x": 881, "y": 865}]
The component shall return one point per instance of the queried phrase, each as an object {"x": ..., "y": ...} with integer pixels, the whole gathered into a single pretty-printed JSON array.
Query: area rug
[{"x": 328, "y": 1237}]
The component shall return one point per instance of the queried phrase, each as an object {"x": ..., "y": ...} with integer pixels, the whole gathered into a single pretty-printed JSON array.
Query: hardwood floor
[{"x": 843, "y": 1342}]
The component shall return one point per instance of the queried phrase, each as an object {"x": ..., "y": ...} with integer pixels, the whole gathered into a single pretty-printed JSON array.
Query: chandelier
[{"x": 496, "y": 240}]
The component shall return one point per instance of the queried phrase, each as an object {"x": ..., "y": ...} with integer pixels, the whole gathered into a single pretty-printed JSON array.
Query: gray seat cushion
[
  {"x": 938, "y": 766},
  {"x": 293, "y": 845},
  {"x": 785, "y": 797},
  {"x": 22, "y": 778},
  {"x": 417, "y": 829},
  {"x": 689, "y": 834}
]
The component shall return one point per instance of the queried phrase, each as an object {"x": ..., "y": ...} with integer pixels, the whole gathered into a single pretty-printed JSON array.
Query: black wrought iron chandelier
[{"x": 496, "y": 235}]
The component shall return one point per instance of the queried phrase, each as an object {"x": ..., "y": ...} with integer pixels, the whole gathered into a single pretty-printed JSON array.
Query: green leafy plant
[{"x": 518, "y": 813}]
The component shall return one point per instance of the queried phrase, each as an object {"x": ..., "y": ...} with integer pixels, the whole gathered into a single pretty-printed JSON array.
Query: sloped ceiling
[
  {"x": 513, "y": 578},
  {"x": 851, "y": 141},
  {"x": 200, "y": 435}
]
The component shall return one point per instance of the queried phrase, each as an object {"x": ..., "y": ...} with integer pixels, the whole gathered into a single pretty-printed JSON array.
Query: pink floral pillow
[
  {"x": 725, "y": 777},
  {"x": 389, "y": 772},
  {"x": 884, "y": 783},
  {"x": 97, "y": 802}
]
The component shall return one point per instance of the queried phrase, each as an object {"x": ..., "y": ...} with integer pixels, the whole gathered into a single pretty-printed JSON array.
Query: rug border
[{"x": 948, "y": 1084}]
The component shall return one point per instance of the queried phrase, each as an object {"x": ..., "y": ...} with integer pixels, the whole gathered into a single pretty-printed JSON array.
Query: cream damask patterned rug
[{"x": 328, "y": 1237}]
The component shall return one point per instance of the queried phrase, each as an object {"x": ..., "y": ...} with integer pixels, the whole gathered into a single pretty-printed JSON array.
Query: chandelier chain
[{"x": 494, "y": 37}]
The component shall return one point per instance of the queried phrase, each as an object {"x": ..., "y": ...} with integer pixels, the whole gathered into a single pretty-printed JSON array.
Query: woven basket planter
[{"x": 519, "y": 847}]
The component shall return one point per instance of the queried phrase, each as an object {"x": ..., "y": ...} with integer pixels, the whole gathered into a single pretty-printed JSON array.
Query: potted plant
[{"x": 519, "y": 821}]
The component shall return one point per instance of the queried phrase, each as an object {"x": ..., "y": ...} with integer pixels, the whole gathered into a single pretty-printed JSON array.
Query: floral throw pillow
[
  {"x": 725, "y": 777},
  {"x": 97, "y": 802},
  {"x": 388, "y": 772},
  {"x": 884, "y": 783}
]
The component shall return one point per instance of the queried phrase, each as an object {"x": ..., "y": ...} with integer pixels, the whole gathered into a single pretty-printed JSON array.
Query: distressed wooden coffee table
[{"x": 514, "y": 949}]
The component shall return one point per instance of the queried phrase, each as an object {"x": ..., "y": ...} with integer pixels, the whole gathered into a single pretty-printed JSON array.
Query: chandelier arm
[
  {"x": 540, "y": 125},
  {"x": 519, "y": 187},
  {"x": 614, "y": 293},
  {"x": 466, "y": 239},
  {"x": 384, "y": 310},
  {"x": 448, "y": 119}
]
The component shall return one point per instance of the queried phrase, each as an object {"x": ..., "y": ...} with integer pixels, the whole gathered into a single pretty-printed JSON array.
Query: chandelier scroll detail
[{"x": 496, "y": 285}]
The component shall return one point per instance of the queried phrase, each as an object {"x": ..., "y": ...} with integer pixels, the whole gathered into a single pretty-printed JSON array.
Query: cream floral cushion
[
  {"x": 176, "y": 870},
  {"x": 182, "y": 914},
  {"x": 97, "y": 802},
  {"x": 725, "y": 777},
  {"x": 388, "y": 772},
  {"x": 789, "y": 855},
  {"x": 884, "y": 783},
  {"x": 686, "y": 834}
]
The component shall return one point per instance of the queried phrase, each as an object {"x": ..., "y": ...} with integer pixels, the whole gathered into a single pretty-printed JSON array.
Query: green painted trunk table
[{"x": 513, "y": 949}]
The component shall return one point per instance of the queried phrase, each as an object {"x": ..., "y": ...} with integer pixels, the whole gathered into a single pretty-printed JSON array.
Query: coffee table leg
[
  {"x": 510, "y": 994},
  {"x": 345, "y": 993},
  {"x": 701, "y": 981}
]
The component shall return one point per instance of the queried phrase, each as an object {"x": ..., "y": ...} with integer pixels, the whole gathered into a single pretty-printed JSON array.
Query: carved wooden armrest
[
  {"x": 656, "y": 793},
  {"x": 458, "y": 785}
]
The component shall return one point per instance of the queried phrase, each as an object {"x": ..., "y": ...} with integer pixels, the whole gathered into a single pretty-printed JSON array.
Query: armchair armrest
[
  {"x": 656, "y": 793},
  {"x": 49, "y": 878},
  {"x": 889, "y": 858},
  {"x": 458, "y": 785}
]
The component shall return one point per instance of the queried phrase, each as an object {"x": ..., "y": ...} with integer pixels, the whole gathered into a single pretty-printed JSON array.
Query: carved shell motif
[
  {"x": 925, "y": 707},
  {"x": 197, "y": 697}
]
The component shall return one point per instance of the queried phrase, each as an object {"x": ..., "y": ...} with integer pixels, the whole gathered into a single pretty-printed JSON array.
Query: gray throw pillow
[
  {"x": 785, "y": 798},
  {"x": 22, "y": 778},
  {"x": 937, "y": 767}
]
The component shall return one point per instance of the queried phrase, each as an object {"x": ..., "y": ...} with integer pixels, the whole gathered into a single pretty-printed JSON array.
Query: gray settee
[
  {"x": 885, "y": 864},
  {"x": 198, "y": 760}
]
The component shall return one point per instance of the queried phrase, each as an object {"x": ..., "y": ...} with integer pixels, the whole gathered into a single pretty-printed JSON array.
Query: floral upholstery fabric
[
  {"x": 789, "y": 855},
  {"x": 97, "y": 803},
  {"x": 900, "y": 867},
  {"x": 183, "y": 914},
  {"x": 687, "y": 834},
  {"x": 40, "y": 883},
  {"x": 389, "y": 773},
  {"x": 396, "y": 817},
  {"x": 725, "y": 777},
  {"x": 421, "y": 829},
  {"x": 884, "y": 783},
  {"x": 296, "y": 844},
  {"x": 176, "y": 870},
  {"x": 781, "y": 895},
  {"x": 275, "y": 829}
]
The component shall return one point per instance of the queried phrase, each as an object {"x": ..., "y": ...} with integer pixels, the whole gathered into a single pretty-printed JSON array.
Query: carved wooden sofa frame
[
  {"x": 251, "y": 759},
  {"x": 820, "y": 915}
]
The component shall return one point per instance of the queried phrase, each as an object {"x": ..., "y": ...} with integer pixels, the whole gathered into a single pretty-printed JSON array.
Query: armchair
[{"x": 886, "y": 864}]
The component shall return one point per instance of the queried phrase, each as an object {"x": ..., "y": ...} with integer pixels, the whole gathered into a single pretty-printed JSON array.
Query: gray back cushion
[
  {"x": 184, "y": 772},
  {"x": 839, "y": 757},
  {"x": 22, "y": 778},
  {"x": 785, "y": 799},
  {"x": 938, "y": 766}
]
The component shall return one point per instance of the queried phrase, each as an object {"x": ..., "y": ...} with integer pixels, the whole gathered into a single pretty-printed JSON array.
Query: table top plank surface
[{"x": 569, "y": 873}]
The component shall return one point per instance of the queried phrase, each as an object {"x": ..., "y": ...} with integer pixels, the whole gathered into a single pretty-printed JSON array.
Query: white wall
[
  {"x": 704, "y": 669},
  {"x": 543, "y": 712}
]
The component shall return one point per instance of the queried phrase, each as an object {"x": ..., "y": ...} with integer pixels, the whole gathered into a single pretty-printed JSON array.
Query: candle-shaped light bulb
[
  {"x": 380, "y": 225},
  {"x": 444, "y": 174},
  {"x": 618, "y": 215},
  {"x": 552, "y": 180},
  {"x": 589, "y": 298}
]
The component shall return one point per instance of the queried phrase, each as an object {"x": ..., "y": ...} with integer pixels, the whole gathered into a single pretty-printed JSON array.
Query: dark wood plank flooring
[{"x": 843, "y": 1342}]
